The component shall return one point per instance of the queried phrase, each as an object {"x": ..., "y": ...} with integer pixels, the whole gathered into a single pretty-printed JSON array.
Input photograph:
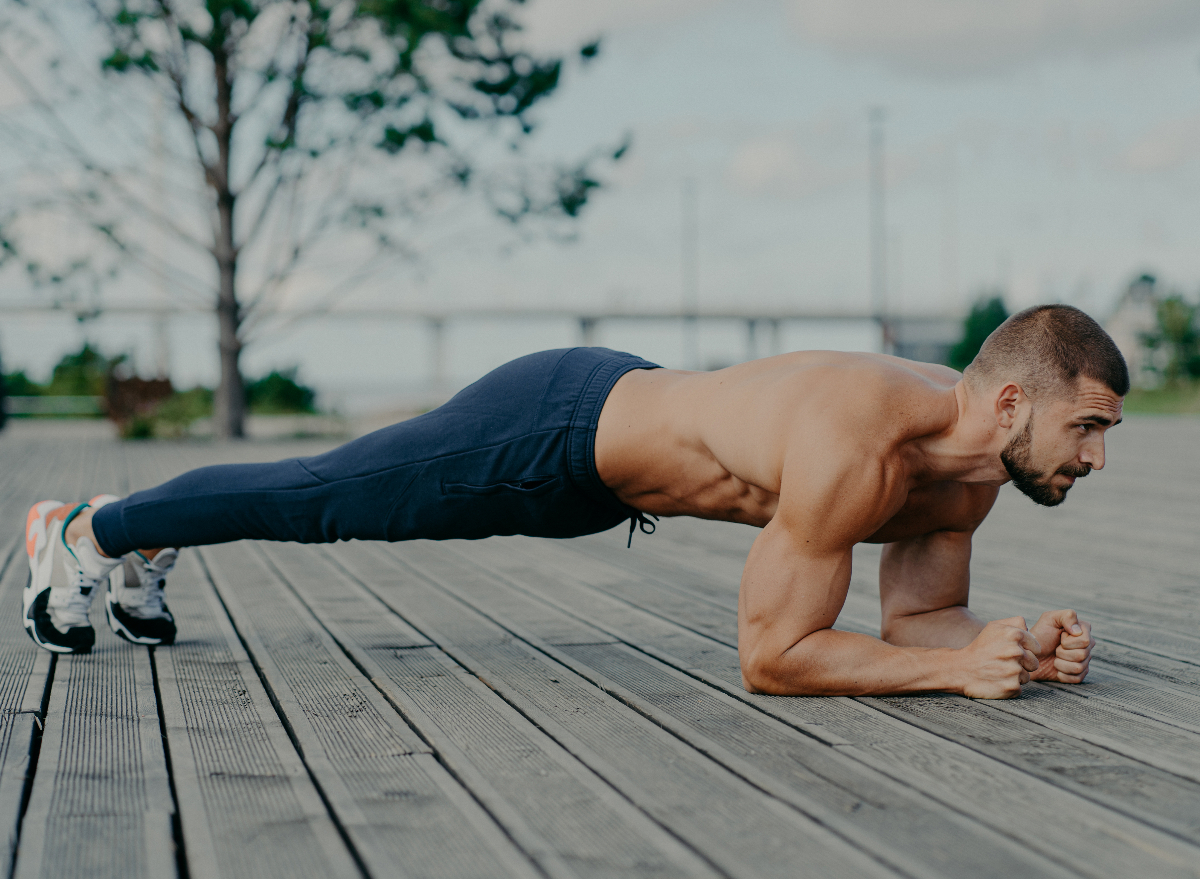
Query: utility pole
[
  {"x": 690, "y": 274},
  {"x": 878, "y": 228},
  {"x": 162, "y": 353}
]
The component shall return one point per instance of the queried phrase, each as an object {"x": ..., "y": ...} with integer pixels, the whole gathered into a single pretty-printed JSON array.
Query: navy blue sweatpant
[{"x": 514, "y": 453}]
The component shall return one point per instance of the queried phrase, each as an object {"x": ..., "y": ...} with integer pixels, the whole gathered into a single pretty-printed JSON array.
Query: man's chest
[{"x": 942, "y": 506}]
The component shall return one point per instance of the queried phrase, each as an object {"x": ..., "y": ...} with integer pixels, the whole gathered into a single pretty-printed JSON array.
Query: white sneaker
[
  {"x": 134, "y": 603},
  {"x": 62, "y": 581}
]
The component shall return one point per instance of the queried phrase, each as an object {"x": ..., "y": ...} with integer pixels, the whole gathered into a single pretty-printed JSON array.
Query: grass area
[{"x": 1183, "y": 399}]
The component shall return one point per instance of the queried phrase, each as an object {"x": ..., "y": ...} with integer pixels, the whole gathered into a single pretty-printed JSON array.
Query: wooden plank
[
  {"x": 738, "y": 829},
  {"x": 568, "y": 820},
  {"x": 1112, "y": 735},
  {"x": 1130, "y": 716},
  {"x": 25, "y": 671},
  {"x": 100, "y": 801},
  {"x": 1150, "y": 722},
  {"x": 969, "y": 782},
  {"x": 389, "y": 794},
  {"x": 247, "y": 804}
]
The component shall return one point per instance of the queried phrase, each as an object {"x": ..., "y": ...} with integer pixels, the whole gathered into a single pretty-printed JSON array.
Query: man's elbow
[{"x": 771, "y": 675}]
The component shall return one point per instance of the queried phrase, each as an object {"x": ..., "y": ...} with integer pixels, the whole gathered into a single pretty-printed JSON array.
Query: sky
[{"x": 1048, "y": 149}]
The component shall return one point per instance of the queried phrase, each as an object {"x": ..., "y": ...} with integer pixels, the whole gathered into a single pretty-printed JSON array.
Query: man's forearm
[
  {"x": 833, "y": 663},
  {"x": 948, "y": 627}
]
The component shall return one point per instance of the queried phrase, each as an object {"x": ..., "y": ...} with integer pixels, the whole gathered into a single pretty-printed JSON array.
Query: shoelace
[
  {"x": 149, "y": 597},
  {"x": 72, "y": 606}
]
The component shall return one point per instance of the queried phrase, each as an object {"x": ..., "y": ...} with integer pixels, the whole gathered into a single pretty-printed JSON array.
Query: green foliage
[
  {"x": 17, "y": 384},
  {"x": 1178, "y": 336},
  {"x": 278, "y": 393},
  {"x": 175, "y": 415},
  {"x": 82, "y": 374},
  {"x": 985, "y": 316},
  {"x": 1180, "y": 398},
  {"x": 404, "y": 69}
]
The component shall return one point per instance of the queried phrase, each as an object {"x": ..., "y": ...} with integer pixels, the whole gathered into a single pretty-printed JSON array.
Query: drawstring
[{"x": 639, "y": 520}]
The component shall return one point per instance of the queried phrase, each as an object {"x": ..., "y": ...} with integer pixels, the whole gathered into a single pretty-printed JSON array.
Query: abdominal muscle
[{"x": 653, "y": 450}]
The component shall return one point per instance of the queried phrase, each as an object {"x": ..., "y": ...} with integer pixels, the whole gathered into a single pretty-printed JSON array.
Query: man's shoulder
[
  {"x": 844, "y": 460},
  {"x": 869, "y": 401}
]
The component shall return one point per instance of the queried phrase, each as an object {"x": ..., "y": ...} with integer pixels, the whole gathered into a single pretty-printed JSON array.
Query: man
[{"x": 822, "y": 450}]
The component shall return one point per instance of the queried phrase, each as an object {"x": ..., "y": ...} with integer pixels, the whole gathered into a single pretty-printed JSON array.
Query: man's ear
[{"x": 1008, "y": 402}]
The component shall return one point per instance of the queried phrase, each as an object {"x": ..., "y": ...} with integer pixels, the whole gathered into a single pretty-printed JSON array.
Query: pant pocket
[{"x": 526, "y": 486}]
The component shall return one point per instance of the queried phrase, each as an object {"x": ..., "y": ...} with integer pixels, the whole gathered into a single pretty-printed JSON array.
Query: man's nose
[{"x": 1093, "y": 455}]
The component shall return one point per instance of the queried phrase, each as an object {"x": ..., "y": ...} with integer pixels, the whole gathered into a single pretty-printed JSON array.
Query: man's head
[{"x": 1055, "y": 361}]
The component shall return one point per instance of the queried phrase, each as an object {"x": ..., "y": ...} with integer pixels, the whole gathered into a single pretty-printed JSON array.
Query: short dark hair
[{"x": 1046, "y": 349}]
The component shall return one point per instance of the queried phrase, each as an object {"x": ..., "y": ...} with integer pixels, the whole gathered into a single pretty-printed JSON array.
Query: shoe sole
[
  {"x": 122, "y": 631},
  {"x": 37, "y": 608}
]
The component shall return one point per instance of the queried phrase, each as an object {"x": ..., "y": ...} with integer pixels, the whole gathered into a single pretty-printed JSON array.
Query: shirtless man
[{"x": 821, "y": 450}]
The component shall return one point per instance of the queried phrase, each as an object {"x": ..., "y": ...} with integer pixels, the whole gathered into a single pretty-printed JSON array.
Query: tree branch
[{"x": 79, "y": 153}]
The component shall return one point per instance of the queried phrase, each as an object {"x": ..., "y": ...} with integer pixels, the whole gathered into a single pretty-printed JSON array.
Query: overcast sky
[{"x": 1049, "y": 148}]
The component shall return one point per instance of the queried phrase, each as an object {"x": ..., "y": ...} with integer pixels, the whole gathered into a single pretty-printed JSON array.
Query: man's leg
[
  {"x": 126, "y": 547},
  {"x": 512, "y": 454}
]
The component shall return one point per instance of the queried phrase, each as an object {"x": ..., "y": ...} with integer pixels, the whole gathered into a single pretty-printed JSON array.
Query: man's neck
[{"x": 967, "y": 450}]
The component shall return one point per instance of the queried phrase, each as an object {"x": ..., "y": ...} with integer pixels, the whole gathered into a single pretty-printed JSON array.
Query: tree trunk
[{"x": 229, "y": 402}]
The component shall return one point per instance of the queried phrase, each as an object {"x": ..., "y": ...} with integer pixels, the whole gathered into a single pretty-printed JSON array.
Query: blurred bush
[
  {"x": 17, "y": 384},
  {"x": 86, "y": 373},
  {"x": 1177, "y": 339},
  {"x": 986, "y": 314},
  {"x": 278, "y": 393},
  {"x": 145, "y": 408}
]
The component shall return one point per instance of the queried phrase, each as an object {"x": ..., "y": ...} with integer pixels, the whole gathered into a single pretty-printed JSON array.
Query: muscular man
[{"x": 821, "y": 450}]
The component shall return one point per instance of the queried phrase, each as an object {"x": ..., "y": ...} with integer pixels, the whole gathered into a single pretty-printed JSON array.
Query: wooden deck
[{"x": 527, "y": 708}]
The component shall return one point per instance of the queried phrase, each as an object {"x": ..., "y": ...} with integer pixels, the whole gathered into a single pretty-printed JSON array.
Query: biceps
[{"x": 925, "y": 573}]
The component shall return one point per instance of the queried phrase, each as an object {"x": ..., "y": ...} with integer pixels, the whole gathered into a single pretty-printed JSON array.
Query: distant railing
[{"x": 32, "y": 407}]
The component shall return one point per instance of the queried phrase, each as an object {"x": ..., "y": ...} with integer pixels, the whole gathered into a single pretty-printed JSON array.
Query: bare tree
[{"x": 305, "y": 118}]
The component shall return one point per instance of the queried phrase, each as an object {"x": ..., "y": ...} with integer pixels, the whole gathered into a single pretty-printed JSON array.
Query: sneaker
[
  {"x": 134, "y": 603},
  {"x": 63, "y": 581}
]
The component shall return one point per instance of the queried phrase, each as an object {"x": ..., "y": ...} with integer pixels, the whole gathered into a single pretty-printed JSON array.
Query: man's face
[{"x": 1068, "y": 445}]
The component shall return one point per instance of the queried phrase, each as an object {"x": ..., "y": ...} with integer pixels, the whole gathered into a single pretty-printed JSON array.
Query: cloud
[
  {"x": 970, "y": 37},
  {"x": 1165, "y": 147},
  {"x": 777, "y": 165}
]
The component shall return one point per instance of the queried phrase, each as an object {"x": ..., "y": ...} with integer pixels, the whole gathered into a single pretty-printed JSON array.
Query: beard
[{"x": 1017, "y": 458}]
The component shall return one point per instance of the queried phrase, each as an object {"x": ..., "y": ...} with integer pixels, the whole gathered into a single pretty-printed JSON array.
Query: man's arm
[
  {"x": 924, "y": 583},
  {"x": 793, "y": 588}
]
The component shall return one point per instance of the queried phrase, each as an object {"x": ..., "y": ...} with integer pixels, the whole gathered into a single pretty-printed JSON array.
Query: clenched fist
[
  {"x": 1066, "y": 647},
  {"x": 999, "y": 660}
]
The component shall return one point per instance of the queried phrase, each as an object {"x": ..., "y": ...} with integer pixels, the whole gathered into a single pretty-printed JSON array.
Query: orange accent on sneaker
[{"x": 30, "y": 538}]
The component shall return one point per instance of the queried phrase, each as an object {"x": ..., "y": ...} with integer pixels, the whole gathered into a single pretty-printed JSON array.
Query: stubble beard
[{"x": 1017, "y": 458}]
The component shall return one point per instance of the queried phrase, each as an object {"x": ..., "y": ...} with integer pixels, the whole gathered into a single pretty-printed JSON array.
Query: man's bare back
[{"x": 824, "y": 450}]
